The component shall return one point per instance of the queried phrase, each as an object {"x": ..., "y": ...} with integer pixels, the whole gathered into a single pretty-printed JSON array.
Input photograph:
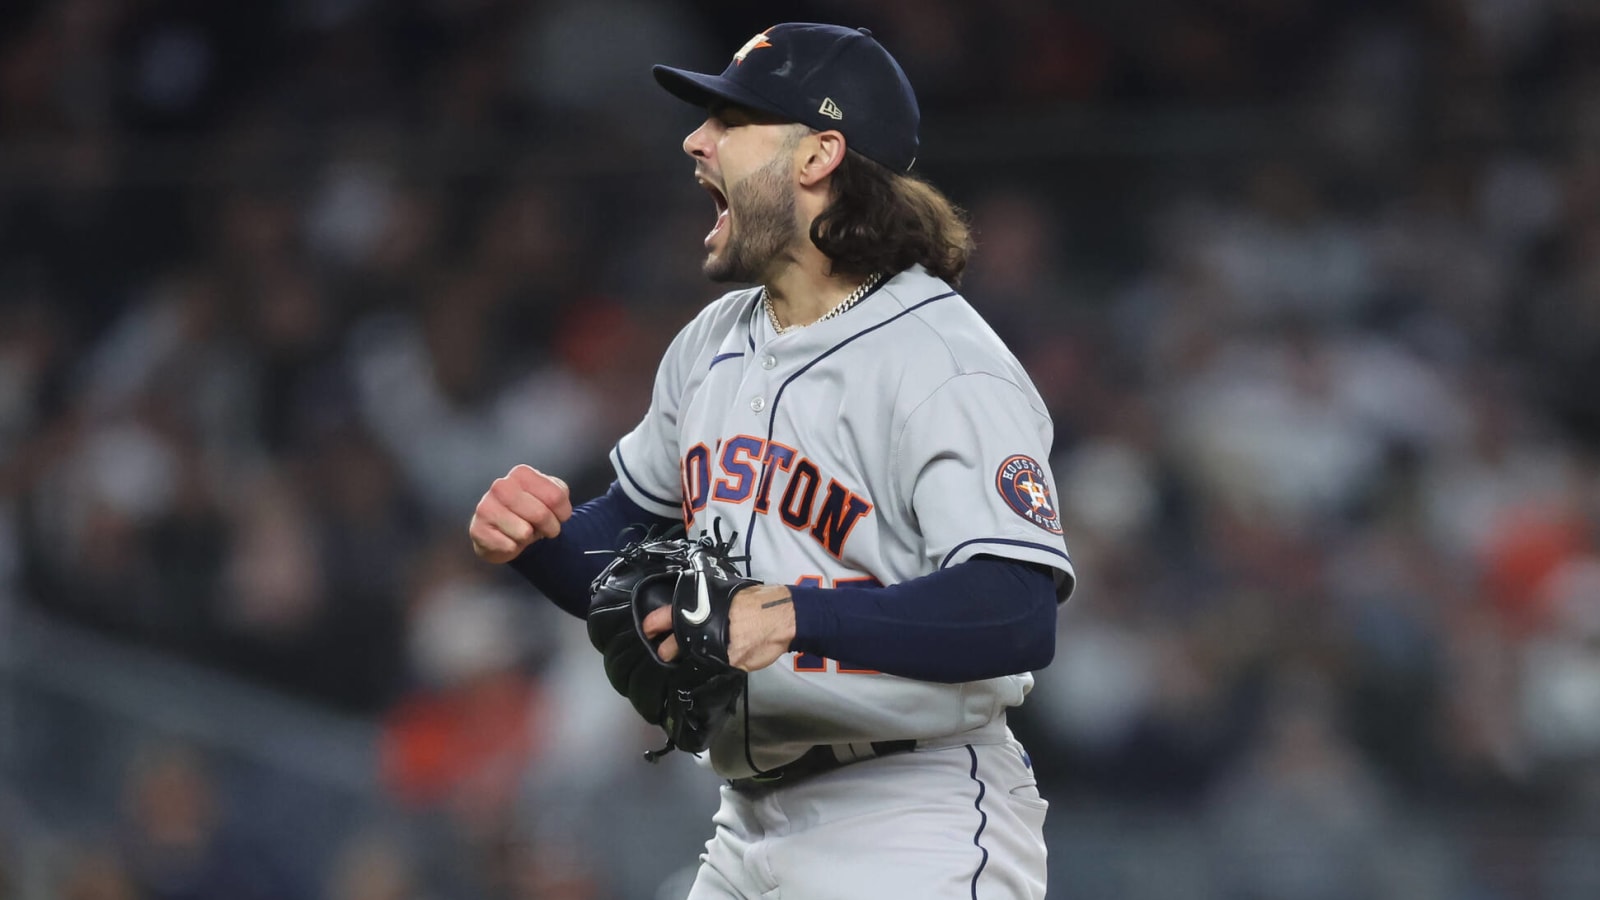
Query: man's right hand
[{"x": 517, "y": 510}]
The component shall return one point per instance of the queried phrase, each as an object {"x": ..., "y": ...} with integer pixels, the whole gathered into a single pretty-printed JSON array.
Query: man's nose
[{"x": 698, "y": 144}]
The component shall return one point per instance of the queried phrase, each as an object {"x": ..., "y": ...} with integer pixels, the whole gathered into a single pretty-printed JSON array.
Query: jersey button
[
  {"x": 758, "y": 404},
  {"x": 768, "y": 361}
]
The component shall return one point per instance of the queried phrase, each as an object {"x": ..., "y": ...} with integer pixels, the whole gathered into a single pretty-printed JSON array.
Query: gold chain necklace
[{"x": 852, "y": 299}]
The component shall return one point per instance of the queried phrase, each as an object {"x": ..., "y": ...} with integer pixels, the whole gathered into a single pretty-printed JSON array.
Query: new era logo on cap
[{"x": 809, "y": 73}]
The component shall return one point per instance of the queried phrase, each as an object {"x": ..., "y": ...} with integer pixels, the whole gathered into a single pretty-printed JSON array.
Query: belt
[{"x": 819, "y": 759}]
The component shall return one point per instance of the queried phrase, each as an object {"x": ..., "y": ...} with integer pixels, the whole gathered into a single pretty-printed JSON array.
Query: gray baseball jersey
[{"x": 887, "y": 443}]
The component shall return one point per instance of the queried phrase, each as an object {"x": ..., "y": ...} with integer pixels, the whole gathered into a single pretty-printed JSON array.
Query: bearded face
[{"x": 761, "y": 224}]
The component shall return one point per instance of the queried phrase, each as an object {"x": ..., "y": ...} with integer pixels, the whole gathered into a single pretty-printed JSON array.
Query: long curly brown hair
[{"x": 884, "y": 221}]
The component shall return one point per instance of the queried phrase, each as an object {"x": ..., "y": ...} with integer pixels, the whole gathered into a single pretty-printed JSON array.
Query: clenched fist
[{"x": 517, "y": 510}]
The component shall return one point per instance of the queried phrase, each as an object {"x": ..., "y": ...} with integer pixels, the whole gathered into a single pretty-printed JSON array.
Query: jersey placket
[
  {"x": 730, "y": 415},
  {"x": 807, "y": 478}
]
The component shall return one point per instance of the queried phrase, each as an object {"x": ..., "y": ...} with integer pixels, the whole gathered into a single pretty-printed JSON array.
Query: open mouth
[{"x": 721, "y": 202}]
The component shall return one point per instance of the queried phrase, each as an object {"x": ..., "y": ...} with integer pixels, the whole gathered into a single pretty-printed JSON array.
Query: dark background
[{"x": 1311, "y": 286}]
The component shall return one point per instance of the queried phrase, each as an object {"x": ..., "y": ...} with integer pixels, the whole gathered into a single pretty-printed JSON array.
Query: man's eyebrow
[
  {"x": 727, "y": 110},
  {"x": 723, "y": 109}
]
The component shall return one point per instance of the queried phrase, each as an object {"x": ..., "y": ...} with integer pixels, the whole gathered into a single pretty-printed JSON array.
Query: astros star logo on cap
[{"x": 755, "y": 43}]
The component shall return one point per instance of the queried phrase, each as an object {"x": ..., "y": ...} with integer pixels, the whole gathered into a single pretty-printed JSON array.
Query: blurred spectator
[
  {"x": 558, "y": 69},
  {"x": 373, "y": 866},
  {"x": 179, "y": 842},
  {"x": 1561, "y": 674},
  {"x": 462, "y": 739},
  {"x": 1311, "y": 289},
  {"x": 94, "y": 875},
  {"x": 1302, "y": 818},
  {"x": 429, "y": 391}
]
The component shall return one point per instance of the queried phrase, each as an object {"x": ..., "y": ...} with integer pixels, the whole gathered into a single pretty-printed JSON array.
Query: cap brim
[{"x": 703, "y": 90}]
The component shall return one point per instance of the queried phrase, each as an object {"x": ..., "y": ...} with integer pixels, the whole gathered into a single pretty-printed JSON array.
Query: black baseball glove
[
  {"x": 694, "y": 693},
  {"x": 644, "y": 571}
]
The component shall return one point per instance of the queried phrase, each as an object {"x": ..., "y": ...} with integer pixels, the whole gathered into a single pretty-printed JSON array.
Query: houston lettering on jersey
[{"x": 745, "y": 469}]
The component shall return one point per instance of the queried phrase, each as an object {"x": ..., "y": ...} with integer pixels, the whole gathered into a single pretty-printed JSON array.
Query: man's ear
[{"x": 821, "y": 154}]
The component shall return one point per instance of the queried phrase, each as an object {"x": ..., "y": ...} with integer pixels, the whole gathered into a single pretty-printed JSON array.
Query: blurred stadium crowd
[{"x": 1312, "y": 288}]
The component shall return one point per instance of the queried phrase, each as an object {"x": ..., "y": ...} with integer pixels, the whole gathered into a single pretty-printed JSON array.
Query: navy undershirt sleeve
[
  {"x": 559, "y": 566},
  {"x": 982, "y": 618}
]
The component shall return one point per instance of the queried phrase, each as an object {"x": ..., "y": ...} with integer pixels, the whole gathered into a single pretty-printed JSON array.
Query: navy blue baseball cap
[{"x": 823, "y": 76}]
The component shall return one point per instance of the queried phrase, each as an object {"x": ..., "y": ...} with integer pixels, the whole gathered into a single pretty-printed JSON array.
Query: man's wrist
[{"x": 776, "y": 604}]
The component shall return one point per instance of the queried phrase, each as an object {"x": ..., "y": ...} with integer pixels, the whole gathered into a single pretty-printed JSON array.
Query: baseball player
[{"x": 881, "y": 458}]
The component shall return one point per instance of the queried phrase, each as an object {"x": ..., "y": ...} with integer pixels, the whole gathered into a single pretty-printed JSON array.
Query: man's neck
[{"x": 800, "y": 295}]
